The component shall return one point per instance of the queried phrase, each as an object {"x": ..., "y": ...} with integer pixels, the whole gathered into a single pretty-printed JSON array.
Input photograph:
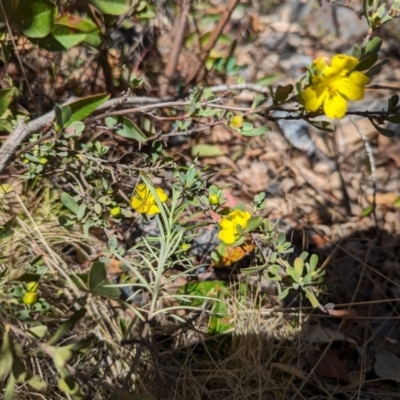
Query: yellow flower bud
[
  {"x": 43, "y": 160},
  {"x": 32, "y": 286},
  {"x": 30, "y": 298},
  {"x": 185, "y": 246},
  {"x": 115, "y": 212},
  {"x": 236, "y": 121},
  {"x": 213, "y": 199}
]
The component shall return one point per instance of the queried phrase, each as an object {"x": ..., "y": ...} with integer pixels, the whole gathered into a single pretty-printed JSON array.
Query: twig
[
  {"x": 12, "y": 142},
  {"x": 241, "y": 86},
  {"x": 211, "y": 43},
  {"x": 396, "y": 89},
  {"x": 368, "y": 151},
  {"x": 147, "y": 104},
  {"x": 22, "y": 130},
  {"x": 179, "y": 37}
]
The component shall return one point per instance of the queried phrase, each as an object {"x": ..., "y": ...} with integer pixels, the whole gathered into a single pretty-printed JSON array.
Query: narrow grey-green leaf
[
  {"x": 82, "y": 108},
  {"x": 256, "y": 131},
  {"x": 206, "y": 150},
  {"x": 69, "y": 202},
  {"x": 37, "y": 383},
  {"x": 81, "y": 212},
  {"x": 98, "y": 280}
]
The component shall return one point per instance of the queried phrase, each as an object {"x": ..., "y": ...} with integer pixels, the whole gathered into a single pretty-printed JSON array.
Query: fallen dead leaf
[
  {"x": 291, "y": 369},
  {"x": 329, "y": 365}
]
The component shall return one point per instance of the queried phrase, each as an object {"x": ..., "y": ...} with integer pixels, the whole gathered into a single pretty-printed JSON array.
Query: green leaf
[
  {"x": 256, "y": 131},
  {"x": 367, "y": 61},
  {"x": 68, "y": 385},
  {"x": 206, "y": 150},
  {"x": 282, "y": 93},
  {"x": 98, "y": 279},
  {"x": 37, "y": 383},
  {"x": 67, "y": 37},
  {"x": 283, "y": 294},
  {"x": 37, "y": 331},
  {"x": 35, "y": 17},
  {"x": 326, "y": 126},
  {"x": 81, "y": 211},
  {"x": 67, "y": 325},
  {"x": 253, "y": 223},
  {"x": 355, "y": 51},
  {"x": 63, "y": 114},
  {"x": 376, "y": 68},
  {"x": 61, "y": 356},
  {"x": 298, "y": 266},
  {"x": 129, "y": 129},
  {"x": 311, "y": 296},
  {"x": 392, "y": 103},
  {"x": 313, "y": 262},
  {"x": 293, "y": 274},
  {"x": 82, "y": 108},
  {"x": 113, "y": 7},
  {"x": 367, "y": 210},
  {"x": 202, "y": 291},
  {"x": 219, "y": 321},
  {"x": 10, "y": 389},
  {"x": 383, "y": 131},
  {"x": 80, "y": 24},
  {"x": 373, "y": 45},
  {"x": 395, "y": 119},
  {"x": 69, "y": 202},
  {"x": 6, "y": 97},
  {"x": 268, "y": 80},
  {"x": 6, "y": 359}
]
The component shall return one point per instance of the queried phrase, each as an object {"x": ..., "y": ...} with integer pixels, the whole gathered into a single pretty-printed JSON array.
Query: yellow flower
[
  {"x": 144, "y": 202},
  {"x": 229, "y": 226},
  {"x": 333, "y": 85},
  {"x": 236, "y": 122},
  {"x": 185, "y": 246}
]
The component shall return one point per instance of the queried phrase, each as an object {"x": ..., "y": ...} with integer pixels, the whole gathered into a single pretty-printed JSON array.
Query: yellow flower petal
[
  {"x": 144, "y": 202},
  {"x": 141, "y": 191},
  {"x": 162, "y": 196},
  {"x": 153, "y": 209},
  {"x": 319, "y": 64},
  {"x": 335, "y": 106},
  {"x": 227, "y": 236},
  {"x": 353, "y": 86},
  {"x": 343, "y": 62},
  {"x": 313, "y": 97}
]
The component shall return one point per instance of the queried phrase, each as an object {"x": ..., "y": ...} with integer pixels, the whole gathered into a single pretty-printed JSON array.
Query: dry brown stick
[
  {"x": 179, "y": 37},
  {"x": 13, "y": 141},
  {"x": 211, "y": 43}
]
